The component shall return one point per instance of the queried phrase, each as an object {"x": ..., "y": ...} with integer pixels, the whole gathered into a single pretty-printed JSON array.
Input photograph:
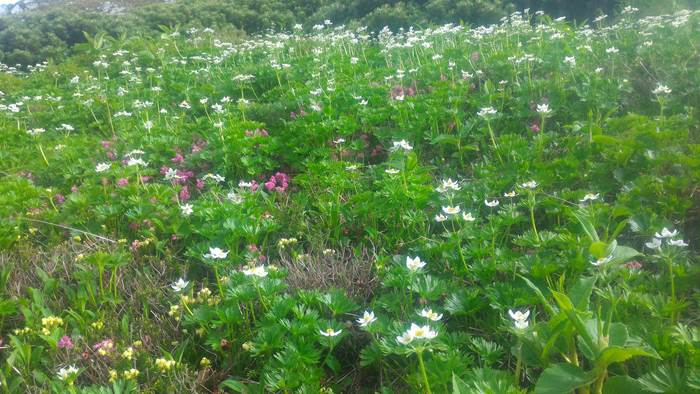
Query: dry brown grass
[{"x": 342, "y": 269}]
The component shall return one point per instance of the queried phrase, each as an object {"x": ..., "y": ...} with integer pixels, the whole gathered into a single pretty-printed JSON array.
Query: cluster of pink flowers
[
  {"x": 198, "y": 146},
  {"x": 65, "y": 343},
  {"x": 59, "y": 198},
  {"x": 107, "y": 145},
  {"x": 257, "y": 133},
  {"x": 301, "y": 113},
  {"x": 107, "y": 344},
  {"x": 278, "y": 182},
  {"x": 399, "y": 92}
]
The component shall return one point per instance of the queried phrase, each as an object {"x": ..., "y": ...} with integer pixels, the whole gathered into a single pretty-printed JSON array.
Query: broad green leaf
[
  {"x": 598, "y": 249},
  {"x": 537, "y": 291},
  {"x": 563, "y": 378},
  {"x": 622, "y": 385},
  {"x": 580, "y": 293},
  {"x": 617, "y": 354},
  {"x": 623, "y": 253}
]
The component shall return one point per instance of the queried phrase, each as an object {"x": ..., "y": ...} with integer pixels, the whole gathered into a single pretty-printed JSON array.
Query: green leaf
[
  {"x": 563, "y": 378},
  {"x": 458, "y": 385},
  {"x": 598, "y": 249},
  {"x": 623, "y": 253},
  {"x": 617, "y": 354},
  {"x": 234, "y": 385},
  {"x": 580, "y": 293},
  {"x": 537, "y": 291},
  {"x": 622, "y": 385}
]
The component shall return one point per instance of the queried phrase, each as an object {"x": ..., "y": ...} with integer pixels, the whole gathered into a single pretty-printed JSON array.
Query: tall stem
[{"x": 422, "y": 371}]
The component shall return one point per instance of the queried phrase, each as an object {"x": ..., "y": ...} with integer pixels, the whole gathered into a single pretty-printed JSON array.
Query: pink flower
[
  {"x": 111, "y": 155},
  {"x": 178, "y": 158},
  {"x": 269, "y": 185},
  {"x": 65, "y": 343},
  {"x": 200, "y": 184},
  {"x": 535, "y": 127},
  {"x": 107, "y": 344},
  {"x": 74, "y": 189},
  {"x": 106, "y": 144},
  {"x": 122, "y": 182},
  {"x": 59, "y": 198},
  {"x": 184, "y": 194}
]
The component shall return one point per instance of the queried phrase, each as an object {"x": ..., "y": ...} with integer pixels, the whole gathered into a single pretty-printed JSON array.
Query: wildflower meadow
[{"x": 512, "y": 208}]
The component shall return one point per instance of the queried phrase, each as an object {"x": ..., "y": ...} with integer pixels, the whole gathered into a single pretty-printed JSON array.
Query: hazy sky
[{"x": 7, "y": 1}]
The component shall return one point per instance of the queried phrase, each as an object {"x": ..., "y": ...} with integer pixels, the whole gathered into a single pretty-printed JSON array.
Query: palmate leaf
[{"x": 563, "y": 378}]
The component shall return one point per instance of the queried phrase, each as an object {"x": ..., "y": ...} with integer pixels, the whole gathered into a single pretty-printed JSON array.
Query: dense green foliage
[
  {"x": 51, "y": 31},
  {"x": 505, "y": 209}
]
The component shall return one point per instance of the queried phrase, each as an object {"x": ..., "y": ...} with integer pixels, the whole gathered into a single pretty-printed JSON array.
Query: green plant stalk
[
  {"x": 419, "y": 353},
  {"x": 532, "y": 215},
  {"x": 493, "y": 141},
  {"x": 673, "y": 290},
  {"x": 43, "y": 155},
  {"x": 518, "y": 363}
]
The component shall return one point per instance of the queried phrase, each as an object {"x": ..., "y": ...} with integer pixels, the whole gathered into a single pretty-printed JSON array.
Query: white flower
[
  {"x": 661, "y": 89},
  {"x": 487, "y": 112},
  {"x": 665, "y": 233},
  {"x": 329, "y": 332},
  {"x": 65, "y": 373},
  {"x": 258, "y": 271},
  {"x": 403, "y": 144},
  {"x": 467, "y": 216},
  {"x": 452, "y": 210},
  {"x": 234, "y": 197},
  {"x": 102, "y": 167},
  {"x": 521, "y": 324},
  {"x": 216, "y": 253},
  {"x": 414, "y": 264},
  {"x": 518, "y": 315},
  {"x": 543, "y": 109},
  {"x": 185, "y": 105},
  {"x": 448, "y": 184},
  {"x": 186, "y": 209},
  {"x": 405, "y": 338},
  {"x": 655, "y": 243},
  {"x": 171, "y": 174},
  {"x": 570, "y": 60},
  {"x": 492, "y": 204},
  {"x": 440, "y": 218},
  {"x": 612, "y": 50},
  {"x": 133, "y": 161},
  {"x": 216, "y": 177},
  {"x": 429, "y": 314},
  {"x": 677, "y": 242},
  {"x": 339, "y": 141},
  {"x": 510, "y": 194},
  {"x": 590, "y": 197},
  {"x": 602, "y": 261},
  {"x": 391, "y": 171},
  {"x": 35, "y": 132},
  {"x": 529, "y": 185},
  {"x": 366, "y": 319},
  {"x": 179, "y": 285},
  {"x": 418, "y": 332}
]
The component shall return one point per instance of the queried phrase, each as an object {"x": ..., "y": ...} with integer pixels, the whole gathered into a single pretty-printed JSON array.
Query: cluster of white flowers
[{"x": 665, "y": 235}]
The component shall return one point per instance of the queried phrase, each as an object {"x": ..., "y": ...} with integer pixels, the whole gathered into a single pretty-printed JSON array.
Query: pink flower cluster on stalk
[
  {"x": 65, "y": 343},
  {"x": 278, "y": 182}
]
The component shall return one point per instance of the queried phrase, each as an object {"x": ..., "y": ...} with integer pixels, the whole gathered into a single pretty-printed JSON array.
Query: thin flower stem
[{"x": 422, "y": 371}]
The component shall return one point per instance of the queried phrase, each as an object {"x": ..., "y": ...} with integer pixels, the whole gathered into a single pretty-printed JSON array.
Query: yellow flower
[
  {"x": 204, "y": 362},
  {"x": 112, "y": 376},
  {"x": 164, "y": 365},
  {"x": 128, "y": 353},
  {"x": 131, "y": 374}
]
